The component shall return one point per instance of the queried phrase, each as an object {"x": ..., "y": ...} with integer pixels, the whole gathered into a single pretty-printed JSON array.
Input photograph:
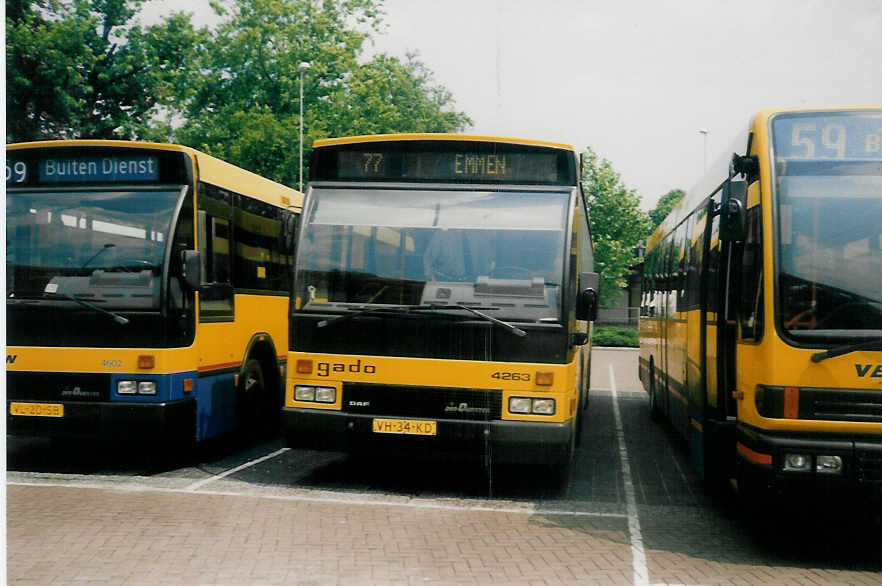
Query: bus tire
[
  {"x": 250, "y": 393},
  {"x": 654, "y": 411}
]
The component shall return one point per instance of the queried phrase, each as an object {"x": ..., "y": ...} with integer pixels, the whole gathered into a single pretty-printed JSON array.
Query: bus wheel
[
  {"x": 654, "y": 411},
  {"x": 251, "y": 392}
]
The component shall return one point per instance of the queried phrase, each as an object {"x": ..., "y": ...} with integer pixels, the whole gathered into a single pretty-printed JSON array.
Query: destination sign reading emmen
[
  {"x": 449, "y": 166},
  {"x": 99, "y": 169},
  {"x": 443, "y": 161}
]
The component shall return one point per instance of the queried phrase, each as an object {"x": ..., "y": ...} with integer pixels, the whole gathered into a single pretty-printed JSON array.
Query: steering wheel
[
  {"x": 132, "y": 265},
  {"x": 852, "y": 314}
]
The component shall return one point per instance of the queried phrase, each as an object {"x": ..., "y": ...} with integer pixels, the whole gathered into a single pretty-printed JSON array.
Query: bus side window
[
  {"x": 693, "y": 270},
  {"x": 216, "y": 242},
  {"x": 751, "y": 314},
  {"x": 713, "y": 268},
  {"x": 258, "y": 260}
]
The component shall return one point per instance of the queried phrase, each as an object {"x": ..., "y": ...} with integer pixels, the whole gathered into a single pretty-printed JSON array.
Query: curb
[{"x": 615, "y": 348}]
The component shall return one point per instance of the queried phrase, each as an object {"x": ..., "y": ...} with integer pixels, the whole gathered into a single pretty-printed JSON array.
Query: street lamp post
[
  {"x": 703, "y": 131},
  {"x": 304, "y": 66}
]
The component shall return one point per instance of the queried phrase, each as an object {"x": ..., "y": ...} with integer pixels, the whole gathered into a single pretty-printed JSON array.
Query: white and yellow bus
[
  {"x": 147, "y": 292},
  {"x": 441, "y": 300},
  {"x": 761, "y": 320}
]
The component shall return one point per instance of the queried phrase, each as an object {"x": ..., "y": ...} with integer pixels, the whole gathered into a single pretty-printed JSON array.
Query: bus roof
[
  {"x": 717, "y": 170},
  {"x": 220, "y": 172},
  {"x": 765, "y": 113},
  {"x": 437, "y": 136}
]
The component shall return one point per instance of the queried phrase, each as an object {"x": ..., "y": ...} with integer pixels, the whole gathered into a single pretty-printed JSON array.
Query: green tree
[
  {"x": 244, "y": 106},
  {"x": 617, "y": 224},
  {"x": 665, "y": 204},
  {"x": 387, "y": 95},
  {"x": 81, "y": 69}
]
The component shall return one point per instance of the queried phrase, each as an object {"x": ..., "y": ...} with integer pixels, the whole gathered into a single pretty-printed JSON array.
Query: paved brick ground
[
  {"x": 264, "y": 525},
  {"x": 60, "y": 535}
]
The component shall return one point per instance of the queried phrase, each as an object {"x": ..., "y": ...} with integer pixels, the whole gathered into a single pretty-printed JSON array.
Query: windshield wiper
[
  {"x": 405, "y": 309},
  {"x": 874, "y": 344},
  {"x": 94, "y": 256},
  {"x": 360, "y": 311},
  {"x": 512, "y": 328},
  {"x": 116, "y": 317}
]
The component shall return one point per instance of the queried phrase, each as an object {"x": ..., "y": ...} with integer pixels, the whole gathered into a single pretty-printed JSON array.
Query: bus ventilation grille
[
  {"x": 869, "y": 465},
  {"x": 428, "y": 402}
]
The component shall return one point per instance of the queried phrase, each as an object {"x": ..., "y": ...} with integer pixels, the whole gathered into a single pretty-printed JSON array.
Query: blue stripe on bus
[
  {"x": 216, "y": 400},
  {"x": 215, "y": 397}
]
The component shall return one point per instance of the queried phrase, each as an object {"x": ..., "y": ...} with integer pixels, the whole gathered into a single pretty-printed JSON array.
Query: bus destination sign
[
  {"x": 449, "y": 166},
  {"x": 109, "y": 169},
  {"x": 442, "y": 161},
  {"x": 829, "y": 136}
]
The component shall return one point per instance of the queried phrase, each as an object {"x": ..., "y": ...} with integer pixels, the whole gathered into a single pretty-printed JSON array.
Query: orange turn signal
[
  {"x": 188, "y": 385},
  {"x": 146, "y": 361},
  {"x": 791, "y": 403},
  {"x": 304, "y": 366},
  {"x": 544, "y": 379}
]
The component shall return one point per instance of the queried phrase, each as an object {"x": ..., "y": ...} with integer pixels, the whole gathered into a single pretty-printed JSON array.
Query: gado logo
[{"x": 325, "y": 368}]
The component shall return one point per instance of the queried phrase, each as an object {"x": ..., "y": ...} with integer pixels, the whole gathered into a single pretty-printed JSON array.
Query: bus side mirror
[
  {"x": 586, "y": 305},
  {"x": 288, "y": 232},
  {"x": 733, "y": 221},
  {"x": 192, "y": 268}
]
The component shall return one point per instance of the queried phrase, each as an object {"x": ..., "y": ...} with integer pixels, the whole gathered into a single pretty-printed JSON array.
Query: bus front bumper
[
  {"x": 766, "y": 466},
  {"x": 173, "y": 420},
  {"x": 521, "y": 442}
]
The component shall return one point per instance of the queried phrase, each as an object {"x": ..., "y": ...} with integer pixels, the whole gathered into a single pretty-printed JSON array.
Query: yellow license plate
[
  {"x": 405, "y": 426},
  {"x": 37, "y": 409}
]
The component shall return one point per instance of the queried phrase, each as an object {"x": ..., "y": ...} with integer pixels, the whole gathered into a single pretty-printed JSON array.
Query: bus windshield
[
  {"x": 105, "y": 247},
  {"x": 499, "y": 250},
  {"x": 829, "y": 198}
]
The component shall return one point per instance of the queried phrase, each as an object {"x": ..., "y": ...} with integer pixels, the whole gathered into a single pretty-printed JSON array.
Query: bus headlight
[
  {"x": 147, "y": 387},
  {"x": 126, "y": 387},
  {"x": 519, "y": 405},
  {"x": 797, "y": 463},
  {"x": 543, "y": 406},
  {"x": 527, "y": 405},
  {"x": 311, "y": 394},
  {"x": 828, "y": 465},
  {"x": 304, "y": 393},
  {"x": 325, "y": 394}
]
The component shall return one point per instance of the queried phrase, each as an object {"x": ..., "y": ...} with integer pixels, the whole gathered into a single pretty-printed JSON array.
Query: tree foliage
[
  {"x": 244, "y": 106},
  {"x": 617, "y": 224},
  {"x": 81, "y": 69},
  {"x": 85, "y": 69},
  {"x": 665, "y": 205}
]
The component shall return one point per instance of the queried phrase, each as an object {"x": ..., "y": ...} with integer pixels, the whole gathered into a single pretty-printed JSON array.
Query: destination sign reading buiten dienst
[
  {"x": 83, "y": 170},
  {"x": 86, "y": 164},
  {"x": 99, "y": 170}
]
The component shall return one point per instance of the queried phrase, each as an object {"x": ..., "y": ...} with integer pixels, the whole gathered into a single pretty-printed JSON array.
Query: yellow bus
[
  {"x": 441, "y": 300},
  {"x": 147, "y": 292},
  {"x": 761, "y": 317}
]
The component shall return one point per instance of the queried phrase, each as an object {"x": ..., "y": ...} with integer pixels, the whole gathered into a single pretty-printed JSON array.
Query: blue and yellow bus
[
  {"x": 147, "y": 292},
  {"x": 761, "y": 320},
  {"x": 441, "y": 301}
]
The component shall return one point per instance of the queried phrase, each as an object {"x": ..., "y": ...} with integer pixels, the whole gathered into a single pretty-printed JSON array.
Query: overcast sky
[{"x": 635, "y": 80}]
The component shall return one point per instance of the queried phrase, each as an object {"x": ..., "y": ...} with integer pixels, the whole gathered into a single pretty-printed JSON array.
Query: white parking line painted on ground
[
  {"x": 641, "y": 572},
  {"x": 330, "y": 497},
  {"x": 199, "y": 484}
]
